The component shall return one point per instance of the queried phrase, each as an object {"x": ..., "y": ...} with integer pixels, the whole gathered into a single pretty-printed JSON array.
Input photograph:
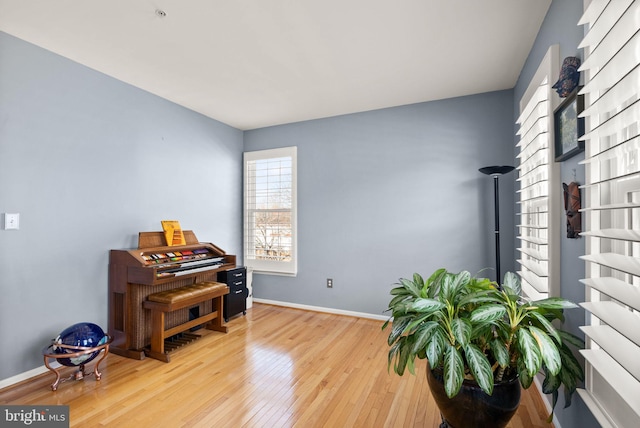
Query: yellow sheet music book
[{"x": 173, "y": 232}]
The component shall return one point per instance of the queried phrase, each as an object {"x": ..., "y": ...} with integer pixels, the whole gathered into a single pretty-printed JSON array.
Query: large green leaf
[
  {"x": 399, "y": 291},
  {"x": 435, "y": 347},
  {"x": 523, "y": 374},
  {"x": 479, "y": 297},
  {"x": 551, "y": 314},
  {"x": 419, "y": 282},
  {"x": 394, "y": 350},
  {"x": 512, "y": 282},
  {"x": 386, "y": 323},
  {"x": 458, "y": 283},
  {"x": 410, "y": 286},
  {"x": 433, "y": 282},
  {"x": 411, "y": 363},
  {"x": 446, "y": 288},
  {"x": 500, "y": 352},
  {"x": 546, "y": 324},
  {"x": 453, "y": 371},
  {"x": 426, "y": 305},
  {"x": 399, "y": 303},
  {"x": 417, "y": 321},
  {"x": 554, "y": 400},
  {"x": 554, "y": 303},
  {"x": 477, "y": 284},
  {"x": 480, "y": 368},
  {"x": 436, "y": 275},
  {"x": 569, "y": 383},
  {"x": 550, "y": 383},
  {"x": 461, "y": 329},
  {"x": 399, "y": 324},
  {"x": 571, "y": 338},
  {"x": 548, "y": 349},
  {"x": 402, "y": 358},
  {"x": 423, "y": 335},
  {"x": 488, "y": 313},
  {"x": 530, "y": 351},
  {"x": 570, "y": 363}
]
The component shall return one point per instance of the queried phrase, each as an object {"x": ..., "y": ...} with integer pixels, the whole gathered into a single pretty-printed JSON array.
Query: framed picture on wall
[{"x": 568, "y": 127}]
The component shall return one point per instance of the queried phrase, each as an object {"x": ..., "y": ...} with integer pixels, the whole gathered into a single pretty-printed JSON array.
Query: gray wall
[
  {"x": 88, "y": 162},
  {"x": 387, "y": 193},
  {"x": 560, "y": 27}
]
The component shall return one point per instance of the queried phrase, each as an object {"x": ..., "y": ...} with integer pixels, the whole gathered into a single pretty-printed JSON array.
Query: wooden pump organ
[{"x": 157, "y": 293}]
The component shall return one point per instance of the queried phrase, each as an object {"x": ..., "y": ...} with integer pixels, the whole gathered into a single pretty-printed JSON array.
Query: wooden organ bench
[{"x": 178, "y": 298}]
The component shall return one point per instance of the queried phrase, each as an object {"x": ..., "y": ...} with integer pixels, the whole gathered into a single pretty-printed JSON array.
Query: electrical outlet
[{"x": 329, "y": 283}]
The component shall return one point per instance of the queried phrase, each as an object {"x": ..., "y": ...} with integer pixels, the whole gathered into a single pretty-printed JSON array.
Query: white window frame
[
  {"x": 612, "y": 211},
  {"x": 538, "y": 175},
  {"x": 276, "y": 267}
]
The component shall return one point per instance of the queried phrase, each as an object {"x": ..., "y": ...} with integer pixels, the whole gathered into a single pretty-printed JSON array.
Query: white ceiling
[{"x": 256, "y": 63}]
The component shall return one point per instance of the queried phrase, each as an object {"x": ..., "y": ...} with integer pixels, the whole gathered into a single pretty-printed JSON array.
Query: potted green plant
[{"x": 477, "y": 335}]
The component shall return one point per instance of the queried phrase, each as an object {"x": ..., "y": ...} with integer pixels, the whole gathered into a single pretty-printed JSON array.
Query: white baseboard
[
  {"x": 322, "y": 309},
  {"x": 26, "y": 375}
]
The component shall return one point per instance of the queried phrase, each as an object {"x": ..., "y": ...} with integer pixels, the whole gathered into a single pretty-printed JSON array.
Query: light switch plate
[{"x": 11, "y": 221}]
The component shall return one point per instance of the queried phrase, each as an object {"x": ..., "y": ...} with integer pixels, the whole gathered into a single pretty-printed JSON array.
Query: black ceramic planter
[{"x": 472, "y": 407}]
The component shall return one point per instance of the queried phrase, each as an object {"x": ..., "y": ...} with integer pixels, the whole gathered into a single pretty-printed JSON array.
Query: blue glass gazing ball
[{"x": 82, "y": 335}]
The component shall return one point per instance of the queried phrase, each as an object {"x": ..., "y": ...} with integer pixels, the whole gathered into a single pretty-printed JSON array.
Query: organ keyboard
[{"x": 154, "y": 267}]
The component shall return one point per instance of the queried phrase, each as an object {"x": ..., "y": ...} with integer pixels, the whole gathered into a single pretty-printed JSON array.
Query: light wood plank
[{"x": 277, "y": 367}]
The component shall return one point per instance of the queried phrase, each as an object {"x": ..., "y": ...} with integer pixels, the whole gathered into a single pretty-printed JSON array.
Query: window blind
[
  {"x": 612, "y": 211},
  {"x": 270, "y": 210},
  {"x": 537, "y": 236}
]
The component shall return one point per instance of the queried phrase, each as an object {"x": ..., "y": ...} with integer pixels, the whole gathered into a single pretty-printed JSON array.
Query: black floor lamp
[{"x": 495, "y": 172}]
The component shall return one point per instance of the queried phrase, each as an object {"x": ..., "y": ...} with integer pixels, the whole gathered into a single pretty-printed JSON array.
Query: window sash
[{"x": 270, "y": 211}]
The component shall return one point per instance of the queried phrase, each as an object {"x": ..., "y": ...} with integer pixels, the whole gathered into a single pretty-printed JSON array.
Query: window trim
[
  {"x": 274, "y": 267},
  {"x": 540, "y": 273}
]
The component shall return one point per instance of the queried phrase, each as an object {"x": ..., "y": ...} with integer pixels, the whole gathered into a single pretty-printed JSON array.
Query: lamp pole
[{"x": 496, "y": 172}]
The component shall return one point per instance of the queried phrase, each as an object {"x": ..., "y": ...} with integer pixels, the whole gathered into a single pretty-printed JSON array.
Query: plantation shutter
[
  {"x": 612, "y": 211},
  {"x": 537, "y": 173},
  {"x": 270, "y": 211}
]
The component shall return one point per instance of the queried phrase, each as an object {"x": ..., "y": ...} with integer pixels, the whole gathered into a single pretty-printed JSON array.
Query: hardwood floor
[{"x": 277, "y": 367}]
